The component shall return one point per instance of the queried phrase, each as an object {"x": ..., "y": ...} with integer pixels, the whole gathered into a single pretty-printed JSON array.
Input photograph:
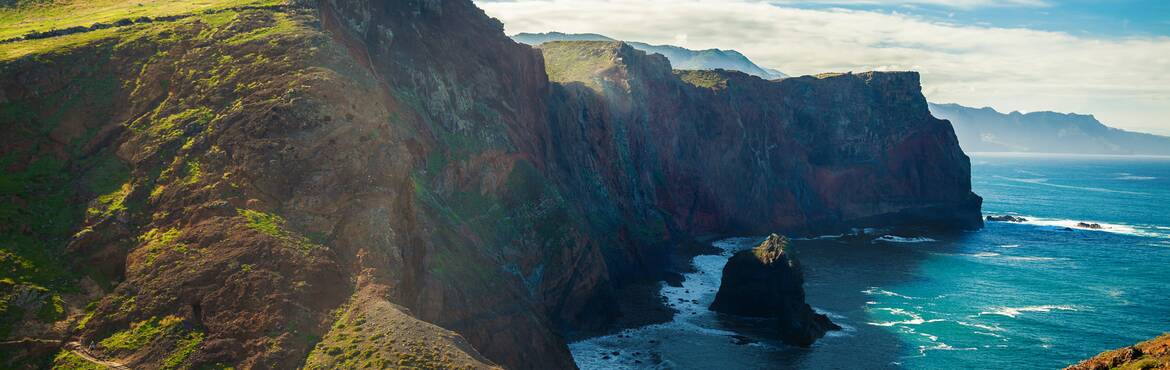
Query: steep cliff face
[
  {"x": 248, "y": 187},
  {"x": 725, "y": 152}
]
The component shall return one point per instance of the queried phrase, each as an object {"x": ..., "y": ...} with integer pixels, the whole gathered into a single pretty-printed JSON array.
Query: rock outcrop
[
  {"x": 211, "y": 190},
  {"x": 1153, "y": 354},
  {"x": 767, "y": 281},
  {"x": 1006, "y": 218}
]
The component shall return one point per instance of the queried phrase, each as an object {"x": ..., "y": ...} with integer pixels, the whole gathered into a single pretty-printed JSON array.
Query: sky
[{"x": 1108, "y": 58}]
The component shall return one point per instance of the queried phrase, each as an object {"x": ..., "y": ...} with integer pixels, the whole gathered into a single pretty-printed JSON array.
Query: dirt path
[{"x": 79, "y": 350}]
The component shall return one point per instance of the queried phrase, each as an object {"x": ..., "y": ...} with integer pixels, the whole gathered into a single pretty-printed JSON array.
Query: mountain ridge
[{"x": 988, "y": 130}]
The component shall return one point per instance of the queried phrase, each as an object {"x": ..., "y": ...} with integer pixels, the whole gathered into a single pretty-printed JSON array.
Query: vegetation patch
[
  {"x": 67, "y": 360},
  {"x": 578, "y": 61},
  {"x": 156, "y": 241},
  {"x": 705, "y": 79},
  {"x": 141, "y": 333},
  {"x": 183, "y": 350},
  {"x": 26, "y": 16},
  {"x": 275, "y": 226}
]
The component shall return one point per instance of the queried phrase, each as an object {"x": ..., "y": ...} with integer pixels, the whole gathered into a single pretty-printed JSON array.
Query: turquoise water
[{"x": 1038, "y": 295}]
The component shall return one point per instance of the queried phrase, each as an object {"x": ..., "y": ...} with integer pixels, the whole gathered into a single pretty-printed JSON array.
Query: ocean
[{"x": 1041, "y": 294}]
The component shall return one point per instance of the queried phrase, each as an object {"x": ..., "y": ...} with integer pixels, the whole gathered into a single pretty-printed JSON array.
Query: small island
[{"x": 767, "y": 282}]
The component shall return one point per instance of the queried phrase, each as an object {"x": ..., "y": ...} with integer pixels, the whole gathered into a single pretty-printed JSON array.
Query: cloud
[
  {"x": 1124, "y": 81},
  {"x": 961, "y": 4}
]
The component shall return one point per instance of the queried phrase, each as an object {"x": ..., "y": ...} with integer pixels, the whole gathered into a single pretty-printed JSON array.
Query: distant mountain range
[
  {"x": 987, "y": 130},
  {"x": 680, "y": 58}
]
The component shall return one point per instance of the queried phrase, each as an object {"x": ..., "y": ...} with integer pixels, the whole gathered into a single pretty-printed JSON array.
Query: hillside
[
  {"x": 986, "y": 130},
  {"x": 680, "y": 58},
  {"x": 363, "y": 184}
]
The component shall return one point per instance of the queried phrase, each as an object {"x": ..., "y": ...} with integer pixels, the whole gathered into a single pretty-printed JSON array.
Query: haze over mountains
[
  {"x": 988, "y": 130},
  {"x": 680, "y": 58}
]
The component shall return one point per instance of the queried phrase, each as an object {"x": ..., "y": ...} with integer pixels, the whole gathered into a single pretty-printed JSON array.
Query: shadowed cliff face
[
  {"x": 728, "y": 153},
  {"x": 256, "y": 183}
]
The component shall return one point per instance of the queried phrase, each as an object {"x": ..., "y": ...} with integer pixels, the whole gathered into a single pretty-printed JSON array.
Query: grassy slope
[
  {"x": 578, "y": 61},
  {"x": 24, "y": 17},
  {"x": 45, "y": 198}
]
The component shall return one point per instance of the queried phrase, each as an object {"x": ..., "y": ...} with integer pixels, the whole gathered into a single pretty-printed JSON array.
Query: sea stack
[{"x": 766, "y": 281}]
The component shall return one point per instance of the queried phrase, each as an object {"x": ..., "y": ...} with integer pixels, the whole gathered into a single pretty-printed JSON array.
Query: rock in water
[
  {"x": 767, "y": 282},
  {"x": 1006, "y": 218}
]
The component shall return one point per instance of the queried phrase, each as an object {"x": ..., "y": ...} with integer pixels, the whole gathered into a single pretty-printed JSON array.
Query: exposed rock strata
[{"x": 767, "y": 281}]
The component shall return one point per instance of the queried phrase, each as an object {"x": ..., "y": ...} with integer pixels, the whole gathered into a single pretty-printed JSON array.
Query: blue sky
[
  {"x": 1110, "y": 59},
  {"x": 1116, "y": 18}
]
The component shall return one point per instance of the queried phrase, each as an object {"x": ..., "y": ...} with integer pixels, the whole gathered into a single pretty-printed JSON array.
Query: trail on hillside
[{"x": 80, "y": 351}]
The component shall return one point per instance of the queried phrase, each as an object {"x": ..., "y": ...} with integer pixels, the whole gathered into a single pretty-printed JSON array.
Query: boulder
[
  {"x": 1086, "y": 225},
  {"x": 767, "y": 282}
]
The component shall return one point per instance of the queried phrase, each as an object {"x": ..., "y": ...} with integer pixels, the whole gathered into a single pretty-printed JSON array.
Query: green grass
[
  {"x": 18, "y": 20},
  {"x": 578, "y": 61},
  {"x": 67, "y": 360},
  {"x": 704, "y": 79},
  {"x": 276, "y": 227},
  {"x": 156, "y": 241},
  {"x": 183, "y": 350},
  {"x": 141, "y": 333}
]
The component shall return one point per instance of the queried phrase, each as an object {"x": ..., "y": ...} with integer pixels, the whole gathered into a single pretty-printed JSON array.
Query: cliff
[
  {"x": 767, "y": 281},
  {"x": 724, "y": 152},
  {"x": 680, "y": 58},
  {"x": 253, "y": 183},
  {"x": 1151, "y": 354}
]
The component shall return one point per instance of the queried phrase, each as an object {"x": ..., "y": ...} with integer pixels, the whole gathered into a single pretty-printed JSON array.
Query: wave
[
  {"x": 822, "y": 237},
  {"x": 1031, "y": 259},
  {"x": 1130, "y": 176},
  {"x": 979, "y": 326},
  {"x": 880, "y": 291},
  {"x": 846, "y": 329},
  {"x": 942, "y": 347},
  {"x": 899, "y": 239},
  {"x": 1014, "y": 312},
  {"x": 1009, "y": 246},
  {"x": 1105, "y": 227},
  {"x": 1043, "y": 181},
  {"x": 915, "y": 319}
]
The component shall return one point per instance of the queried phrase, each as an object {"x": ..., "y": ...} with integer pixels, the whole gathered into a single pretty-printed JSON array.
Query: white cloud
[
  {"x": 1125, "y": 81},
  {"x": 963, "y": 4}
]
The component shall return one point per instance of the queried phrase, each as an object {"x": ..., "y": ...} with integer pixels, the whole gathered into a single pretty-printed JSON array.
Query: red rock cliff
[{"x": 260, "y": 186}]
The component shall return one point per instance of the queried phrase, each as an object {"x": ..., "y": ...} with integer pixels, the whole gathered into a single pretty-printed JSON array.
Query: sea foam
[
  {"x": 1014, "y": 312},
  {"x": 899, "y": 239}
]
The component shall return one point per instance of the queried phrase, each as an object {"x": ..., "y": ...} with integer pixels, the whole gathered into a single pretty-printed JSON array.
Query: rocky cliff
[
  {"x": 1151, "y": 354},
  {"x": 768, "y": 282},
  {"x": 263, "y": 184}
]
